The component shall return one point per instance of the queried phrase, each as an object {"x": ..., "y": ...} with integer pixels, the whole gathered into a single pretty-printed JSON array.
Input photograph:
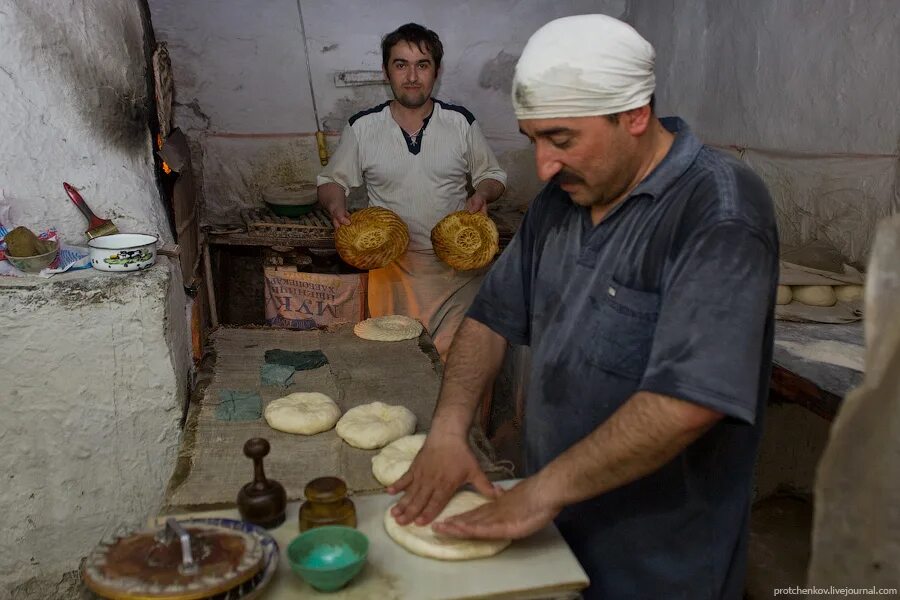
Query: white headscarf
[{"x": 583, "y": 66}]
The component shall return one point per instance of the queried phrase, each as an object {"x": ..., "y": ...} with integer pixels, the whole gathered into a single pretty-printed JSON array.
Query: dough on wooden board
[
  {"x": 423, "y": 541},
  {"x": 783, "y": 295},
  {"x": 394, "y": 460},
  {"x": 392, "y": 328},
  {"x": 306, "y": 413},
  {"x": 814, "y": 295},
  {"x": 375, "y": 425},
  {"x": 849, "y": 293}
]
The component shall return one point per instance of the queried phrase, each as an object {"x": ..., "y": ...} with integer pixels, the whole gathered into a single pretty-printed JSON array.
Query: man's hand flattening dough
[
  {"x": 443, "y": 465},
  {"x": 518, "y": 513}
]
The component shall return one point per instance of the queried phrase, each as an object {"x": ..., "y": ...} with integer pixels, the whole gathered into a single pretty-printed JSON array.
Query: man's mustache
[{"x": 566, "y": 178}]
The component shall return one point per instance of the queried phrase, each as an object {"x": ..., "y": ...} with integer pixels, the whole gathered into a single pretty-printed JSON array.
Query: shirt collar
[{"x": 678, "y": 159}]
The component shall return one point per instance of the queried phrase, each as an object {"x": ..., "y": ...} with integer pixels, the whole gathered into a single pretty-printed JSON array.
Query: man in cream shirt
[{"x": 414, "y": 155}]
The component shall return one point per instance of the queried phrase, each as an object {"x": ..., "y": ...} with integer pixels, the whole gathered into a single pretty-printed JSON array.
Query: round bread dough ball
[
  {"x": 423, "y": 541},
  {"x": 375, "y": 425},
  {"x": 814, "y": 295},
  {"x": 392, "y": 328},
  {"x": 849, "y": 293},
  {"x": 784, "y": 295},
  {"x": 306, "y": 413},
  {"x": 394, "y": 460}
]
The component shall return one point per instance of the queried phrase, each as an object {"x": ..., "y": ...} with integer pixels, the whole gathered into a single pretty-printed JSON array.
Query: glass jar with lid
[{"x": 326, "y": 504}]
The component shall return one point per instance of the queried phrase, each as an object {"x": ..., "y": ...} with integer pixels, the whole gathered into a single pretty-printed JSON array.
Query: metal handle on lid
[{"x": 174, "y": 528}]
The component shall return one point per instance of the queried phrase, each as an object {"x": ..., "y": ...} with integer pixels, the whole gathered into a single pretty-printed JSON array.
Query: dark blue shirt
[{"x": 673, "y": 292}]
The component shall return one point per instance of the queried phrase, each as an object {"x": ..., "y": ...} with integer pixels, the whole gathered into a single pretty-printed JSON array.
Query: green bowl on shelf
[
  {"x": 291, "y": 200},
  {"x": 328, "y": 557}
]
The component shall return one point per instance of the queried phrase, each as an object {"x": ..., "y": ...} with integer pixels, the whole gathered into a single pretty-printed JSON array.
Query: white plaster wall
[
  {"x": 92, "y": 380},
  {"x": 810, "y": 86},
  {"x": 73, "y": 107},
  {"x": 243, "y": 95},
  {"x": 93, "y": 366}
]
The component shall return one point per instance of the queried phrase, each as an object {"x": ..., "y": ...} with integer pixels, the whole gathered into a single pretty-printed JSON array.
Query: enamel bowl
[{"x": 123, "y": 252}]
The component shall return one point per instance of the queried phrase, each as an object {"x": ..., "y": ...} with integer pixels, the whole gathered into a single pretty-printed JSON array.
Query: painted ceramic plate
[{"x": 254, "y": 587}]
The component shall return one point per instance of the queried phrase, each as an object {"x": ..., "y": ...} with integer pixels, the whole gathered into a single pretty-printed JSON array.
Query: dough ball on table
[
  {"x": 783, "y": 295},
  {"x": 375, "y": 425},
  {"x": 306, "y": 413},
  {"x": 422, "y": 540},
  {"x": 849, "y": 293},
  {"x": 392, "y": 328},
  {"x": 394, "y": 460},
  {"x": 814, "y": 295}
]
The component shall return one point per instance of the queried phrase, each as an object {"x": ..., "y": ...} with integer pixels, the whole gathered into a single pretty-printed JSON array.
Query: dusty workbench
[
  {"x": 539, "y": 567},
  {"x": 211, "y": 466},
  {"x": 816, "y": 364}
]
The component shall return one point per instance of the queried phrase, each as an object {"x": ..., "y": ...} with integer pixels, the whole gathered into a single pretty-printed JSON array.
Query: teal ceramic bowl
[{"x": 327, "y": 558}]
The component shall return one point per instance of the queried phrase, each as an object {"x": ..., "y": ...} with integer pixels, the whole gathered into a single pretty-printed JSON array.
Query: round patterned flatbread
[{"x": 392, "y": 328}]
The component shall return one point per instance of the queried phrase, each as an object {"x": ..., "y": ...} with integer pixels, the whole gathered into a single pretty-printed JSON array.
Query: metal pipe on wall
[{"x": 320, "y": 135}]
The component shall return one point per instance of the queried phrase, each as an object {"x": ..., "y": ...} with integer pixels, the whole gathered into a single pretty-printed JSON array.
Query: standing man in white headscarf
[{"x": 643, "y": 278}]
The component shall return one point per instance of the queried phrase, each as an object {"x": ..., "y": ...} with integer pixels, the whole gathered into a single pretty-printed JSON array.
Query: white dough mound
[
  {"x": 306, "y": 413},
  {"x": 814, "y": 295},
  {"x": 849, "y": 293},
  {"x": 394, "y": 460},
  {"x": 422, "y": 540},
  {"x": 375, "y": 425},
  {"x": 392, "y": 328}
]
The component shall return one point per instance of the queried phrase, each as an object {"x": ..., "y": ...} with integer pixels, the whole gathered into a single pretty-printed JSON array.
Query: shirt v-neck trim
[{"x": 414, "y": 143}]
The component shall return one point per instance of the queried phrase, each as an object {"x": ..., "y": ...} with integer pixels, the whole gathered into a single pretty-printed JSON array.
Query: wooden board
[{"x": 541, "y": 566}]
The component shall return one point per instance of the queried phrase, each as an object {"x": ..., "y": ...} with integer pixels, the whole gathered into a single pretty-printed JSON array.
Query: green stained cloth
[
  {"x": 302, "y": 361},
  {"x": 238, "y": 406},
  {"x": 280, "y": 375}
]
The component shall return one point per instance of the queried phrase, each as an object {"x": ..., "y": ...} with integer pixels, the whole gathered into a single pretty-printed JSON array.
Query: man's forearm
[
  {"x": 475, "y": 358},
  {"x": 331, "y": 195},
  {"x": 490, "y": 189},
  {"x": 642, "y": 436}
]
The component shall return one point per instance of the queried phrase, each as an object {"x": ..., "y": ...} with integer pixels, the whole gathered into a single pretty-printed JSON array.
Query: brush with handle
[{"x": 96, "y": 226}]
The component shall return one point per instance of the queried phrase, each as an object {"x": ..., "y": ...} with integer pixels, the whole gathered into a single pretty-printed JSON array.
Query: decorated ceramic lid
[{"x": 176, "y": 563}]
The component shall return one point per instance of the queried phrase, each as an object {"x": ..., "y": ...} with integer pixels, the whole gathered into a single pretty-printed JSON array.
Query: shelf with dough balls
[{"x": 818, "y": 295}]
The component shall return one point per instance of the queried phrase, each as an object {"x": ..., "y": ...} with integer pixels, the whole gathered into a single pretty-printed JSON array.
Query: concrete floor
[{"x": 780, "y": 533}]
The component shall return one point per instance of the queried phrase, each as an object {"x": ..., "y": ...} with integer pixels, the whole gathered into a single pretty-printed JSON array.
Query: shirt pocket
[{"x": 623, "y": 330}]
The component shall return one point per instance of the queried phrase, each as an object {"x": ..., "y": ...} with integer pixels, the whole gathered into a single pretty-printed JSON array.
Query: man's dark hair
[{"x": 422, "y": 38}]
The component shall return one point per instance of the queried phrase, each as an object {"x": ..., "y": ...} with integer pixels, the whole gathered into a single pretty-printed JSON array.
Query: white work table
[{"x": 541, "y": 566}]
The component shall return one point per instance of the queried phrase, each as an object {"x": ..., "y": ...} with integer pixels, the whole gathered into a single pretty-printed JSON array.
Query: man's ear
[{"x": 637, "y": 120}]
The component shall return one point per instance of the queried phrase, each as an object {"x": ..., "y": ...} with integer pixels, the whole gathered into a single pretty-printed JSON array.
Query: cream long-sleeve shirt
[{"x": 421, "y": 178}]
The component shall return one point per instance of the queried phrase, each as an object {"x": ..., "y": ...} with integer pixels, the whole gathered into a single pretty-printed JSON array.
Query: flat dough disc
[
  {"x": 306, "y": 413},
  {"x": 394, "y": 460},
  {"x": 375, "y": 425},
  {"x": 392, "y": 328},
  {"x": 422, "y": 540}
]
